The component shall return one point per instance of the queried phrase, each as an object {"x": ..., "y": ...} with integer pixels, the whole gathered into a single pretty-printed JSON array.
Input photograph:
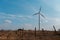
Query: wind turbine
[{"x": 39, "y": 13}]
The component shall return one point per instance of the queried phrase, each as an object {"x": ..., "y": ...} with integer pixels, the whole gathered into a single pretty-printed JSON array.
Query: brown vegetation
[{"x": 29, "y": 35}]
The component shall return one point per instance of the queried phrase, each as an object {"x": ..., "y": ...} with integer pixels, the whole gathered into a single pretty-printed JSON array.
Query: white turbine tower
[{"x": 39, "y": 13}]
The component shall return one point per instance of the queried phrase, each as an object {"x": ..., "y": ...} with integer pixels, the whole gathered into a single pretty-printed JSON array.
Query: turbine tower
[{"x": 39, "y": 13}]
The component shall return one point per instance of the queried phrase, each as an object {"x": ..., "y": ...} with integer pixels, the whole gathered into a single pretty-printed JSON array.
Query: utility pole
[
  {"x": 35, "y": 33},
  {"x": 54, "y": 28}
]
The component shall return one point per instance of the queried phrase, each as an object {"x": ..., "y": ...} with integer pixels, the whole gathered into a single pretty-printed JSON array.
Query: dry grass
[{"x": 29, "y": 35}]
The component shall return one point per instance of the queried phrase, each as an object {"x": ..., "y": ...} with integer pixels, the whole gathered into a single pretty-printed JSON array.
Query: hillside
[{"x": 29, "y": 35}]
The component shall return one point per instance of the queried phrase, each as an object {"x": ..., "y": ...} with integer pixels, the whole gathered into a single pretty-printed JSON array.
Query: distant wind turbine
[{"x": 39, "y": 13}]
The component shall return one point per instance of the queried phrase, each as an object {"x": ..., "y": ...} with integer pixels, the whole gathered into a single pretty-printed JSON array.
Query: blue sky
[{"x": 16, "y": 14}]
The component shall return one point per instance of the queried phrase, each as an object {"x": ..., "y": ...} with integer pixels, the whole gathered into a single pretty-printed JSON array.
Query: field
[{"x": 29, "y": 35}]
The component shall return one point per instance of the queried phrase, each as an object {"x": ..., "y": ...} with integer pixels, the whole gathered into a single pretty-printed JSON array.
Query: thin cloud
[
  {"x": 27, "y": 26},
  {"x": 55, "y": 4},
  {"x": 7, "y": 21},
  {"x": 12, "y": 16},
  {"x": 57, "y": 7},
  {"x": 55, "y": 21}
]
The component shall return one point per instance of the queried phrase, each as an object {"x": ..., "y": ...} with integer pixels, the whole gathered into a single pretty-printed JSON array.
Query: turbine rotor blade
[
  {"x": 35, "y": 14},
  {"x": 42, "y": 15}
]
